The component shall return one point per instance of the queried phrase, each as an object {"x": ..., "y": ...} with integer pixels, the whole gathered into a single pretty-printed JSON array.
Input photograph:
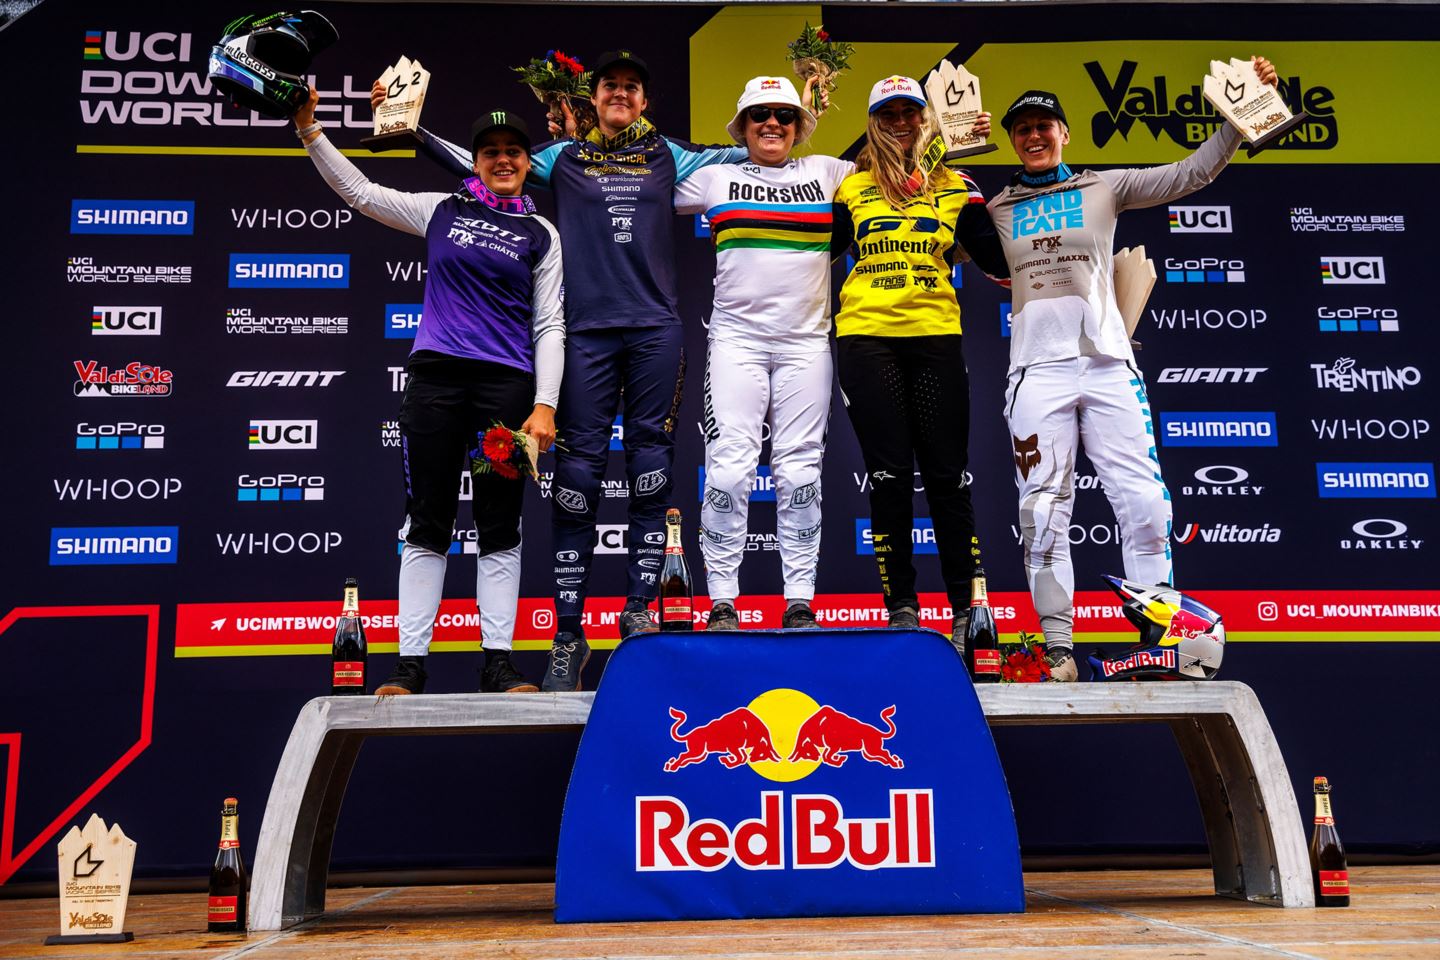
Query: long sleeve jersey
[
  {"x": 493, "y": 289},
  {"x": 613, "y": 197},
  {"x": 1059, "y": 238},
  {"x": 900, "y": 286},
  {"x": 772, "y": 229}
]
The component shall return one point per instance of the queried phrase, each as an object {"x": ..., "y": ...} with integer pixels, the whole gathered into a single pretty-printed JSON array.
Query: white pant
[
  {"x": 746, "y": 387},
  {"x": 422, "y": 581},
  {"x": 1051, "y": 408}
]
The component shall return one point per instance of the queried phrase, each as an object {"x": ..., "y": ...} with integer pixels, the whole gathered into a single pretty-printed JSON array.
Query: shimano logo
[
  {"x": 1218, "y": 429},
  {"x": 132, "y": 216},
  {"x": 284, "y": 270},
  {"x": 104, "y": 546},
  {"x": 1376, "y": 480}
]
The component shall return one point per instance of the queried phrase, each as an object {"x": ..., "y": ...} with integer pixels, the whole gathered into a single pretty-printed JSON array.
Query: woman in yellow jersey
[{"x": 902, "y": 373}]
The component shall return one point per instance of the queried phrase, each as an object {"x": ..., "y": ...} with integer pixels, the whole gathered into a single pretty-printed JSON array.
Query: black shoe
[
  {"x": 723, "y": 618},
  {"x": 636, "y": 619},
  {"x": 500, "y": 676},
  {"x": 958, "y": 628},
  {"x": 799, "y": 616},
  {"x": 409, "y": 677},
  {"x": 905, "y": 618},
  {"x": 568, "y": 656}
]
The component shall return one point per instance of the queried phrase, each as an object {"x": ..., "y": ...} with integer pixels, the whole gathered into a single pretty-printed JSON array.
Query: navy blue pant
[{"x": 645, "y": 366}]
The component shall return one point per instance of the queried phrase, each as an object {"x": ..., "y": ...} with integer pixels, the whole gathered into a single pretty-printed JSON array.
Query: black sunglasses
[{"x": 783, "y": 115}]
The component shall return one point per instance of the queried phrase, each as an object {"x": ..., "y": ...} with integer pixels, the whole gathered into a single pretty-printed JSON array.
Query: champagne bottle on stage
[
  {"x": 675, "y": 590},
  {"x": 229, "y": 886},
  {"x": 982, "y": 641},
  {"x": 347, "y": 654},
  {"x": 1327, "y": 855}
]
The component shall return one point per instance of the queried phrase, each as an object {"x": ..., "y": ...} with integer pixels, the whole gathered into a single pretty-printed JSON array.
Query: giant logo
[
  {"x": 1219, "y": 429},
  {"x": 112, "y": 546},
  {"x": 290, "y": 270},
  {"x": 1389, "y": 481},
  {"x": 132, "y": 216}
]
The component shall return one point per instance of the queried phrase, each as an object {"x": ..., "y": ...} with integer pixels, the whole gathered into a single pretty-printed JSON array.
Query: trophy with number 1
[
  {"x": 1254, "y": 108},
  {"x": 954, "y": 92},
  {"x": 397, "y": 119}
]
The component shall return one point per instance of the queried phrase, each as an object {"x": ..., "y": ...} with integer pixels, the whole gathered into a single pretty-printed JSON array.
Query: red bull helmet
[
  {"x": 1180, "y": 637},
  {"x": 260, "y": 62}
]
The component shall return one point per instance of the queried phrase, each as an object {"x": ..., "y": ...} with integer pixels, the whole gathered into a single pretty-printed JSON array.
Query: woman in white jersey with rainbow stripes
[{"x": 769, "y": 359}]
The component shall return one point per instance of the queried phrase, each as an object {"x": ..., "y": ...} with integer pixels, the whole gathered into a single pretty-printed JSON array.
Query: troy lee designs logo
[{"x": 783, "y": 735}]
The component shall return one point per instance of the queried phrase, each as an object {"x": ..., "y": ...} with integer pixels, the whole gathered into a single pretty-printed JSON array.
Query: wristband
[{"x": 306, "y": 131}]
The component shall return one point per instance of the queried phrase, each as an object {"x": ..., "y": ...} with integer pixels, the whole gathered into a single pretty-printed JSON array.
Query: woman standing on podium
[
  {"x": 491, "y": 348},
  {"x": 898, "y": 342},
  {"x": 1073, "y": 375}
]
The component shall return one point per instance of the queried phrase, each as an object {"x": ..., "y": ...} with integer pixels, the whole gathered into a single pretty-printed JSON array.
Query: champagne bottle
[
  {"x": 229, "y": 885},
  {"x": 982, "y": 641},
  {"x": 675, "y": 589},
  {"x": 347, "y": 654},
  {"x": 1327, "y": 855}
]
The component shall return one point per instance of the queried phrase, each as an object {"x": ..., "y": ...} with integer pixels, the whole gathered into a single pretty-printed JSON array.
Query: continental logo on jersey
[
  {"x": 1047, "y": 213},
  {"x": 1182, "y": 113}
]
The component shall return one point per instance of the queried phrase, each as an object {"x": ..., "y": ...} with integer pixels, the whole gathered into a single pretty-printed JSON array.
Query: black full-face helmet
[{"x": 260, "y": 63}]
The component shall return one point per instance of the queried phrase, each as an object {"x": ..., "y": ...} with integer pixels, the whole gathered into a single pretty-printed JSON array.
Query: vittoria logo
[
  {"x": 1204, "y": 270},
  {"x": 132, "y": 216},
  {"x": 1200, "y": 220},
  {"x": 135, "y": 379},
  {"x": 1352, "y": 270},
  {"x": 1227, "y": 533},
  {"x": 125, "y": 321}
]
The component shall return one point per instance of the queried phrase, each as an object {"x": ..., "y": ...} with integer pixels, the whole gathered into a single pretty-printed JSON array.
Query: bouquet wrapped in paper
[
  {"x": 557, "y": 79},
  {"x": 506, "y": 452},
  {"x": 814, "y": 54}
]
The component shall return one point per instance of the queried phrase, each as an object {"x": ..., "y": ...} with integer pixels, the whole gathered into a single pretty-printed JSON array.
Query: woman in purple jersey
[{"x": 490, "y": 349}]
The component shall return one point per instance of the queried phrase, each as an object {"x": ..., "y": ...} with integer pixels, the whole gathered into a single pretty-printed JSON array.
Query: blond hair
[{"x": 891, "y": 164}]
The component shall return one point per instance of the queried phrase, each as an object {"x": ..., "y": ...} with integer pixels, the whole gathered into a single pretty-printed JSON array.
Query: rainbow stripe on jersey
[{"x": 773, "y": 226}]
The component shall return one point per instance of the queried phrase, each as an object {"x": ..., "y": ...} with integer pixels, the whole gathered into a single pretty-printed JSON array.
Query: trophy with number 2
[{"x": 397, "y": 119}]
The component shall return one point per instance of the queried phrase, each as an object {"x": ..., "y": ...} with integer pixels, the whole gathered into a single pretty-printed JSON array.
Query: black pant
[
  {"x": 909, "y": 401},
  {"x": 448, "y": 403}
]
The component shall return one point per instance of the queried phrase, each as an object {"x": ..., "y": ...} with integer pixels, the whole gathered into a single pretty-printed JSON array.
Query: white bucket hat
[
  {"x": 761, "y": 90},
  {"x": 896, "y": 88}
]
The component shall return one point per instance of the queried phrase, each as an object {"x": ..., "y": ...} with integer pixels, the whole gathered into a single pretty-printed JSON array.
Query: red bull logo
[
  {"x": 1141, "y": 658},
  {"x": 769, "y": 84},
  {"x": 784, "y": 735},
  {"x": 1185, "y": 625}
]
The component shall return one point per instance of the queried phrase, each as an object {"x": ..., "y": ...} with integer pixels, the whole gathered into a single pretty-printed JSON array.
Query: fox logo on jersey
[{"x": 1027, "y": 454}]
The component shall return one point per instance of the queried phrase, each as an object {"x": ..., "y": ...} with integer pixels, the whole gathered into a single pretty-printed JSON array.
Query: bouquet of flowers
[
  {"x": 1024, "y": 662},
  {"x": 506, "y": 452},
  {"x": 556, "y": 78},
  {"x": 814, "y": 54}
]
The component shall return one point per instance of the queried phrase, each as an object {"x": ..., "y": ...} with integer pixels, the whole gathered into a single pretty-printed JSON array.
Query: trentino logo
[
  {"x": 1352, "y": 270},
  {"x": 1353, "y": 481},
  {"x": 132, "y": 216},
  {"x": 402, "y": 320},
  {"x": 85, "y": 546},
  {"x": 125, "y": 321},
  {"x": 282, "y": 434},
  {"x": 1204, "y": 270},
  {"x": 290, "y": 270},
  {"x": 1218, "y": 429},
  {"x": 1200, "y": 220},
  {"x": 922, "y": 536}
]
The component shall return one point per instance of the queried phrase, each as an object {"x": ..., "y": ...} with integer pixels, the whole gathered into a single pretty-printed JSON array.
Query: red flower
[
  {"x": 822, "y": 36},
  {"x": 498, "y": 445},
  {"x": 506, "y": 470}
]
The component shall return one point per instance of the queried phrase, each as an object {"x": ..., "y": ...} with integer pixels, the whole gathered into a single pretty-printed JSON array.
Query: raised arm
[{"x": 409, "y": 212}]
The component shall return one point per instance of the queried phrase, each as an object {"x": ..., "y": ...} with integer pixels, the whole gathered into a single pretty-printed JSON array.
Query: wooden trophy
[
  {"x": 397, "y": 119},
  {"x": 1255, "y": 109},
  {"x": 95, "y": 866},
  {"x": 1134, "y": 279},
  {"x": 954, "y": 92}
]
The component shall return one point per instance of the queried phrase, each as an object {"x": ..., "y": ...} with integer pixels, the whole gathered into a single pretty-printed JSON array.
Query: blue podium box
[{"x": 778, "y": 774}]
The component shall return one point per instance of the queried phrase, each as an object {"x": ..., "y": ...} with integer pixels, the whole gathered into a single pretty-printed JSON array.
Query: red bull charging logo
[{"x": 783, "y": 735}]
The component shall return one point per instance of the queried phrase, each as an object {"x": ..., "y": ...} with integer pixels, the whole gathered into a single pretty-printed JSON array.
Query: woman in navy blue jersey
[
  {"x": 613, "y": 192},
  {"x": 490, "y": 348}
]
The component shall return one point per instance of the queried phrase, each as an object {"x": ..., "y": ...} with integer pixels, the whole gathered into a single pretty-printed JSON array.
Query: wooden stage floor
[{"x": 1100, "y": 914}]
